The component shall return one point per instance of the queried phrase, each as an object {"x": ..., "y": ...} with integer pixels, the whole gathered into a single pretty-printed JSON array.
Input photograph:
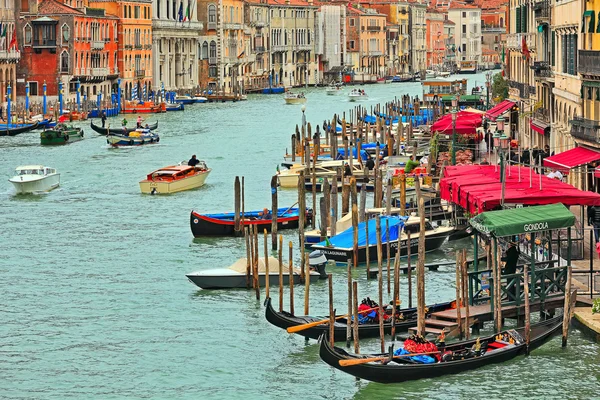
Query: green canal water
[{"x": 95, "y": 303}]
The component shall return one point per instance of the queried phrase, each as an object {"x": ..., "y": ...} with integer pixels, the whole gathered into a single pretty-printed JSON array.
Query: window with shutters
[
  {"x": 518, "y": 21},
  {"x": 553, "y": 50}
]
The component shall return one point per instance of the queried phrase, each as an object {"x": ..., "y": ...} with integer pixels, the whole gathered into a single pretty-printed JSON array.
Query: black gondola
[
  {"x": 285, "y": 320},
  {"x": 458, "y": 357},
  {"x": 118, "y": 131},
  {"x": 223, "y": 224},
  {"x": 19, "y": 129}
]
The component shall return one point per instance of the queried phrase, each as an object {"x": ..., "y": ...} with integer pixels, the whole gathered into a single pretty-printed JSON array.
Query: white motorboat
[
  {"x": 199, "y": 99},
  {"x": 294, "y": 98},
  {"x": 288, "y": 178},
  {"x": 236, "y": 276},
  {"x": 357, "y": 95},
  {"x": 444, "y": 74},
  {"x": 333, "y": 89},
  {"x": 430, "y": 74},
  {"x": 34, "y": 179}
]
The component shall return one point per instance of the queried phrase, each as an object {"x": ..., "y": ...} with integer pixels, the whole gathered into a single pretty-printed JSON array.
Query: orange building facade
[
  {"x": 366, "y": 42},
  {"x": 134, "y": 53},
  {"x": 435, "y": 38}
]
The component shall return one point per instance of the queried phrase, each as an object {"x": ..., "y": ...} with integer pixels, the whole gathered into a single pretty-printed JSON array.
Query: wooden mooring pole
[
  {"x": 355, "y": 322},
  {"x": 421, "y": 272},
  {"x": 331, "y": 311},
  {"x": 280, "y": 259},
  {"x": 348, "y": 327},
  {"x": 266, "y": 264},
  {"x": 274, "y": 212},
  {"x": 567, "y": 307},
  {"x": 291, "y": 278}
]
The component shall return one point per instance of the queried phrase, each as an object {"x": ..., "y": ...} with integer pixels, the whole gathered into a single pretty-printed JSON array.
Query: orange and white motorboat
[{"x": 175, "y": 178}]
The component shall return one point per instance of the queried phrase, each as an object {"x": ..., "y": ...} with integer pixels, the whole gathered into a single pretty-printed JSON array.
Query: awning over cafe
[
  {"x": 571, "y": 158},
  {"x": 539, "y": 126},
  {"x": 522, "y": 220},
  {"x": 499, "y": 109}
]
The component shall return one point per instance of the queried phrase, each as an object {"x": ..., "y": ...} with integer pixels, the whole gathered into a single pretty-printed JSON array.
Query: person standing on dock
[
  {"x": 510, "y": 266},
  {"x": 593, "y": 214}
]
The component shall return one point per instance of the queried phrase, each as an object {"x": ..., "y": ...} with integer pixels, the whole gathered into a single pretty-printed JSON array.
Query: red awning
[
  {"x": 571, "y": 158},
  {"x": 499, "y": 109},
  {"x": 466, "y": 123},
  {"x": 477, "y": 188},
  {"x": 539, "y": 126}
]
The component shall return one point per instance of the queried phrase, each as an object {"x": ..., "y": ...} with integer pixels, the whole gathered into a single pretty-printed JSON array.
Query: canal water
[{"x": 96, "y": 305}]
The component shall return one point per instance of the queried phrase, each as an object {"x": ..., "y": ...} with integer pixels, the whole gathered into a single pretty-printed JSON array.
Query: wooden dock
[{"x": 478, "y": 314}]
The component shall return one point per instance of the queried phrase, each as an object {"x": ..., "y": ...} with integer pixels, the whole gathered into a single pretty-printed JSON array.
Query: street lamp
[{"x": 454, "y": 116}]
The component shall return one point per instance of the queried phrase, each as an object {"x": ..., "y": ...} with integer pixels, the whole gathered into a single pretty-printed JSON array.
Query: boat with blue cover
[
  {"x": 340, "y": 248},
  {"x": 184, "y": 99},
  {"x": 223, "y": 224}
]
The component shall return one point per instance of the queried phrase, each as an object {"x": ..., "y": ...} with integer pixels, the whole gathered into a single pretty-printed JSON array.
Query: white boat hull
[
  {"x": 42, "y": 184},
  {"x": 295, "y": 100},
  {"x": 352, "y": 97},
  {"x": 228, "y": 279},
  {"x": 164, "y": 187}
]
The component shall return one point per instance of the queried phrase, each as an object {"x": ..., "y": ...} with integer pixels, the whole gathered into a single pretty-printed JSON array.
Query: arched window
[
  {"x": 212, "y": 13},
  {"x": 204, "y": 53},
  {"x": 27, "y": 34},
  {"x": 65, "y": 33},
  {"x": 213, "y": 49},
  {"x": 64, "y": 62}
]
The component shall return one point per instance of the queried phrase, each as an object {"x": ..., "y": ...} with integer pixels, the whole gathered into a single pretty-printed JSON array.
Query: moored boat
[
  {"x": 451, "y": 359},
  {"x": 341, "y": 247},
  {"x": 294, "y": 98},
  {"x": 147, "y": 107},
  {"x": 357, "y": 94},
  {"x": 35, "y": 178},
  {"x": 61, "y": 134},
  {"x": 136, "y": 138},
  {"x": 199, "y": 99},
  {"x": 406, "y": 318},
  {"x": 118, "y": 131},
  {"x": 288, "y": 178},
  {"x": 175, "y": 178},
  {"x": 235, "y": 276},
  {"x": 184, "y": 99},
  {"x": 223, "y": 224},
  {"x": 15, "y": 129},
  {"x": 175, "y": 106}
]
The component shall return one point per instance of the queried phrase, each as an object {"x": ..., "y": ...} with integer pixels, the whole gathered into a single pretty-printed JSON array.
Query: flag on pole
[
  {"x": 524, "y": 49},
  {"x": 180, "y": 13},
  {"x": 187, "y": 13},
  {"x": 13, "y": 40},
  {"x": 3, "y": 37},
  {"x": 242, "y": 54}
]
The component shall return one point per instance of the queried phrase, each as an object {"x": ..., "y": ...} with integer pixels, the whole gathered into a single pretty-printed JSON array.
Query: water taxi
[
  {"x": 293, "y": 98},
  {"x": 357, "y": 94},
  {"x": 175, "y": 178},
  {"x": 35, "y": 178}
]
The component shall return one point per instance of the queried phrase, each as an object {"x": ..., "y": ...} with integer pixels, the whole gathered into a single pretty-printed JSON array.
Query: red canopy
[
  {"x": 571, "y": 158},
  {"x": 499, "y": 109},
  {"x": 477, "y": 188},
  {"x": 466, "y": 123}
]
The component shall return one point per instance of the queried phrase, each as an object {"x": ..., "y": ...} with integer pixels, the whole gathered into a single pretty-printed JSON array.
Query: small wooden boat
[
  {"x": 118, "y": 131},
  {"x": 293, "y": 98},
  {"x": 147, "y": 107},
  {"x": 15, "y": 129},
  {"x": 235, "y": 275},
  {"x": 175, "y": 178},
  {"x": 288, "y": 178},
  {"x": 286, "y": 320},
  {"x": 455, "y": 358},
  {"x": 61, "y": 134},
  {"x": 184, "y": 99},
  {"x": 357, "y": 95},
  {"x": 340, "y": 247},
  {"x": 136, "y": 138},
  {"x": 224, "y": 224},
  {"x": 34, "y": 179},
  {"x": 333, "y": 90},
  {"x": 175, "y": 106}
]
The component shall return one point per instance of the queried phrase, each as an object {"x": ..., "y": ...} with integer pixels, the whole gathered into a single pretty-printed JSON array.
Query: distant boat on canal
[{"x": 35, "y": 179}]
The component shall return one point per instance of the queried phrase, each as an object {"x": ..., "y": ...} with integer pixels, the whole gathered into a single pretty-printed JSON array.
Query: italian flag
[{"x": 187, "y": 14}]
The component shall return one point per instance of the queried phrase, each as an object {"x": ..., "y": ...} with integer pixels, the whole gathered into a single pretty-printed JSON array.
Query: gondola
[
  {"x": 285, "y": 320},
  {"x": 224, "y": 225},
  {"x": 458, "y": 357},
  {"x": 20, "y": 128},
  {"x": 118, "y": 131}
]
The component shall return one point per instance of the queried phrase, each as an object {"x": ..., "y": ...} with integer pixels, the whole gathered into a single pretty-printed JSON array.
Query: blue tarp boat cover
[
  {"x": 346, "y": 239},
  {"x": 342, "y": 153}
]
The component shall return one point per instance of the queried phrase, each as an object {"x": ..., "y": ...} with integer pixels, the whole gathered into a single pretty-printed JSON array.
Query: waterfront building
[
  {"x": 434, "y": 38},
  {"x": 330, "y": 33},
  {"x": 417, "y": 29},
  {"x": 450, "y": 47},
  {"x": 67, "y": 47},
  {"x": 9, "y": 49},
  {"x": 493, "y": 31},
  {"x": 256, "y": 19},
  {"x": 467, "y": 37},
  {"x": 175, "y": 45},
  {"x": 366, "y": 43},
  {"x": 134, "y": 52}
]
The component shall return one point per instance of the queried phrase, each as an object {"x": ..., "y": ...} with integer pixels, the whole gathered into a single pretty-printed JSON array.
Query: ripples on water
[{"x": 95, "y": 303}]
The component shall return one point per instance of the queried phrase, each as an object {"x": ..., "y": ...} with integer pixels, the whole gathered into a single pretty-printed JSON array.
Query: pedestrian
[
  {"x": 103, "y": 118},
  {"x": 489, "y": 140},
  {"x": 593, "y": 216},
  {"x": 347, "y": 170},
  {"x": 511, "y": 258},
  {"x": 139, "y": 121},
  {"x": 2, "y": 113},
  {"x": 484, "y": 162}
]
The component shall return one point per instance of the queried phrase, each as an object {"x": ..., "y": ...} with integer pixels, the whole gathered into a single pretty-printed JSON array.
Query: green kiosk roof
[{"x": 522, "y": 220}]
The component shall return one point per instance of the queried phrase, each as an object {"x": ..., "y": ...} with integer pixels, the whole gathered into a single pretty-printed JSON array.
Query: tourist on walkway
[{"x": 593, "y": 214}]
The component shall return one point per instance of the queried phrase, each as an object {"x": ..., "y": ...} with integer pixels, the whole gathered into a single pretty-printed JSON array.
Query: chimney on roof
[
  {"x": 287, "y": 1},
  {"x": 310, "y": 2}
]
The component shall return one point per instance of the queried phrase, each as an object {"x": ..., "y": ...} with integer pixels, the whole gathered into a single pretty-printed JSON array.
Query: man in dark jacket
[
  {"x": 510, "y": 266},
  {"x": 593, "y": 214}
]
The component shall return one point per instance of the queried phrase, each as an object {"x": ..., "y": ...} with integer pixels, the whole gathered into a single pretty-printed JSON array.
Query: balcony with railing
[
  {"x": 542, "y": 114},
  {"x": 211, "y": 26},
  {"x": 98, "y": 45},
  {"x": 140, "y": 73},
  {"x": 515, "y": 40},
  {"x": 589, "y": 62},
  {"x": 541, "y": 69},
  {"x": 259, "y": 49},
  {"x": 9, "y": 55},
  {"x": 232, "y": 26},
  {"x": 585, "y": 129},
  {"x": 212, "y": 60},
  {"x": 373, "y": 28},
  {"x": 303, "y": 47},
  {"x": 99, "y": 71},
  {"x": 44, "y": 43},
  {"x": 541, "y": 10},
  {"x": 138, "y": 46},
  {"x": 280, "y": 48}
]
